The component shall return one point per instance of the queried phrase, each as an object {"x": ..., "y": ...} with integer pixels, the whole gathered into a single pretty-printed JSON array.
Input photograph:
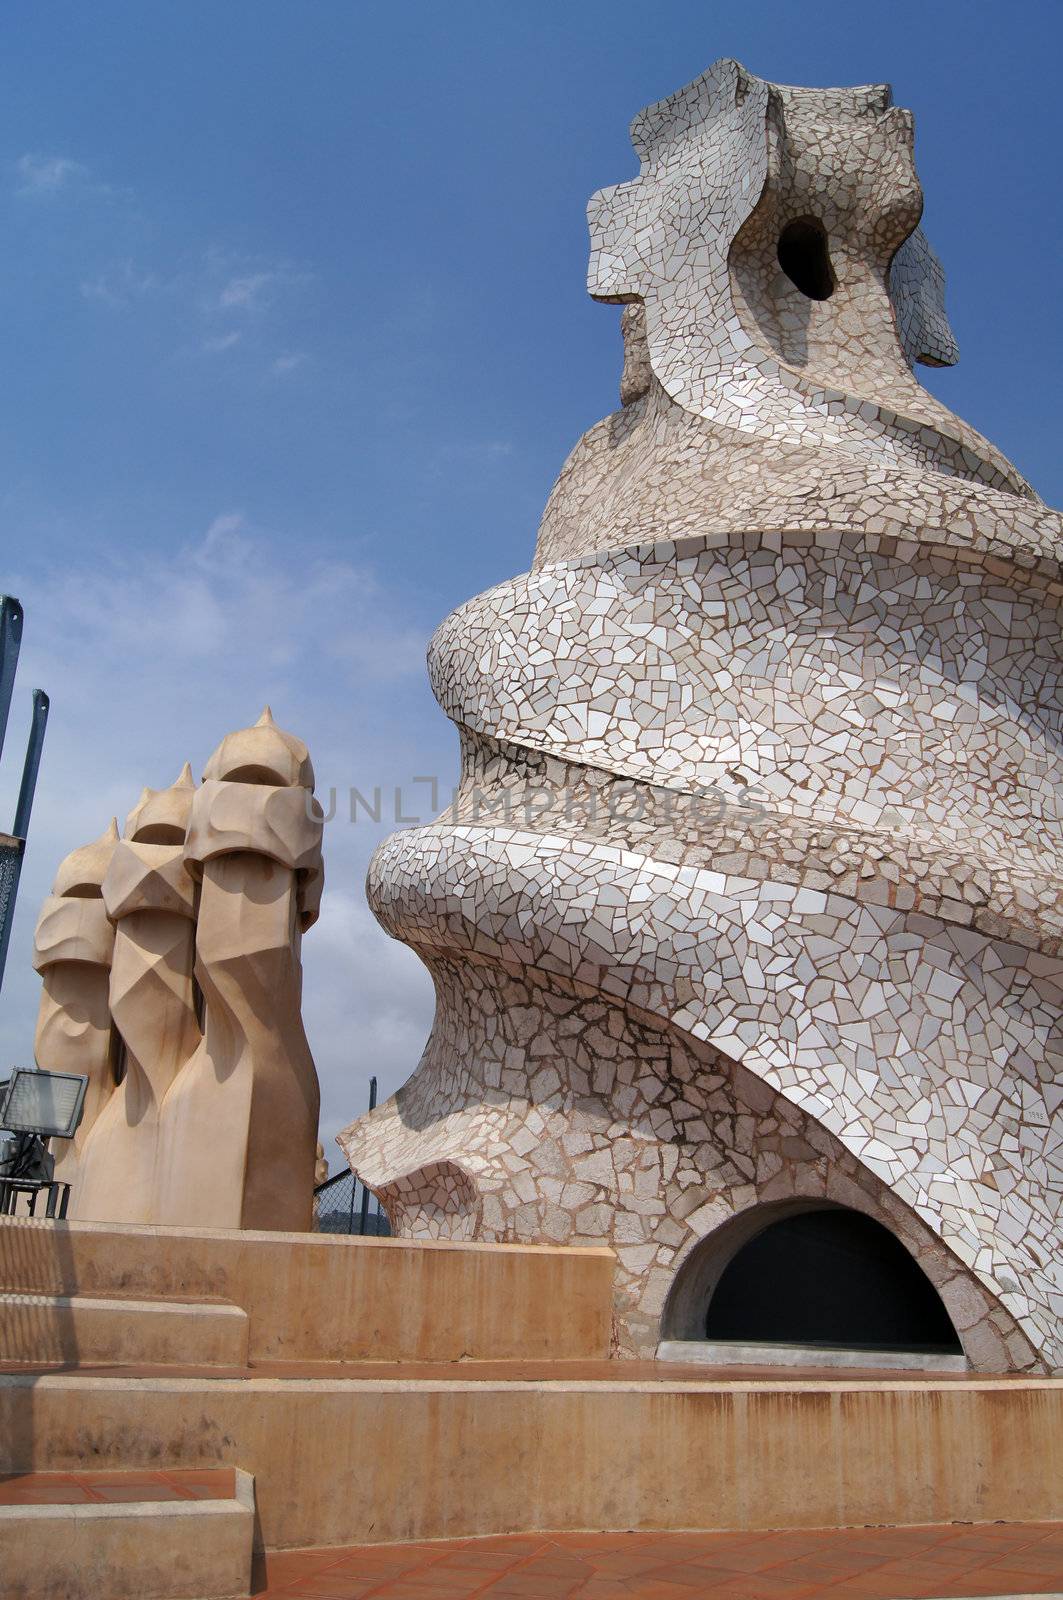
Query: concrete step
[
  {"x": 127, "y": 1535},
  {"x": 648, "y": 1446},
  {"x": 81, "y": 1330},
  {"x": 324, "y": 1297}
]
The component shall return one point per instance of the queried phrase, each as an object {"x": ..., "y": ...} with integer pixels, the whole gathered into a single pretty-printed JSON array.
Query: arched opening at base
[
  {"x": 832, "y": 1278},
  {"x": 805, "y": 1277}
]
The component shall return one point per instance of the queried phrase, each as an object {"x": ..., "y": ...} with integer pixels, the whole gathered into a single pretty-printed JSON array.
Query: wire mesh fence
[{"x": 343, "y": 1205}]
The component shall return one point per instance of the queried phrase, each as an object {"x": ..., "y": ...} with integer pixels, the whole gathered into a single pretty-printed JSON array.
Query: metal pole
[
  {"x": 11, "y": 868},
  {"x": 31, "y": 765},
  {"x": 365, "y": 1191},
  {"x": 10, "y": 641}
]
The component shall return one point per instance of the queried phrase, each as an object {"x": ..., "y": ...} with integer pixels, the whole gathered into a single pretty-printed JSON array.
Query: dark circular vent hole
[
  {"x": 829, "y": 1277},
  {"x": 804, "y": 256}
]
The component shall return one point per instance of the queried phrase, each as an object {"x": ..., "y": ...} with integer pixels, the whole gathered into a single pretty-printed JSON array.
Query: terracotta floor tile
[
  {"x": 103, "y": 1479},
  {"x": 414, "y": 1579},
  {"x": 828, "y": 1571},
  {"x": 527, "y": 1586},
  {"x": 371, "y": 1561},
  {"x": 655, "y": 1586},
  {"x": 401, "y": 1590},
  {"x": 523, "y": 1542},
  {"x": 685, "y": 1578},
  {"x": 953, "y": 1558},
  {"x": 919, "y": 1580},
  {"x": 1036, "y": 1557},
  {"x": 752, "y": 1558},
  {"x": 606, "y": 1541},
  {"x": 59, "y": 1495},
  {"x": 328, "y": 1582},
  {"x": 316, "y": 1562},
  {"x": 639, "y": 1564},
  {"x": 622, "y": 1585},
  {"x": 447, "y": 1567},
  {"x": 339, "y": 1589},
  {"x": 906, "y": 1538},
  {"x": 1017, "y": 1579},
  {"x": 151, "y": 1489},
  {"x": 755, "y": 1586},
  {"x": 706, "y": 1574},
  {"x": 789, "y": 1546},
  {"x": 273, "y": 1582},
  {"x": 854, "y": 1564},
  {"x": 813, "y": 1569},
  {"x": 455, "y": 1582},
  {"x": 977, "y": 1550},
  {"x": 865, "y": 1538},
  {"x": 618, "y": 1589},
  {"x": 880, "y": 1588},
  {"x": 560, "y": 1563},
  {"x": 484, "y": 1560},
  {"x": 378, "y": 1566},
  {"x": 43, "y": 1478}
]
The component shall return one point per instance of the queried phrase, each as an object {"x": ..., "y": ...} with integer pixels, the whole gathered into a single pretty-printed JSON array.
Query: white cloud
[
  {"x": 119, "y": 284},
  {"x": 46, "y": 175},
  {"x": 227, "y": 534},
  {"x": 247, "y": 285},
  {"x": 250, "y": 292},
  {"x": 220, "y": 342},
  {"x": 204, "y": 298}
]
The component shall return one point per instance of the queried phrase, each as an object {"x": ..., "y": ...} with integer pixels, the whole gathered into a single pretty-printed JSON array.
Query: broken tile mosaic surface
[{"x": 752, "y": 889}]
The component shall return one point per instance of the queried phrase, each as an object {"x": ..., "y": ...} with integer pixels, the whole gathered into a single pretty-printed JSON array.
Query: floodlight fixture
[{"x": 48, "y": 1104}]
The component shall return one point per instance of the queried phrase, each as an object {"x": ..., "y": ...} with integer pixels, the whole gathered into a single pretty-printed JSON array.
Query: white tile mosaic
[{"x": 752, "y": 889}]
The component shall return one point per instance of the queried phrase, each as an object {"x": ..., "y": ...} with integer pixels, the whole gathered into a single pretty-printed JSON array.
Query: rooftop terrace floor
[{"x": 994, "y": 1559}]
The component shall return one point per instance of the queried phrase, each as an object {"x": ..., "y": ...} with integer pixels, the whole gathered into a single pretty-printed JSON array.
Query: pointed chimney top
[
  {"x": 262, "y": 754},
  {"x": 160, "y": 816},
  {"x": 84, "y": 868}
]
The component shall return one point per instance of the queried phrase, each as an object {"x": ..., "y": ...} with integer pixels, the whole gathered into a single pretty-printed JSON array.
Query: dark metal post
[
  {"x": 13, "y": 846},
  {"x": 10, "y": 643},
  {"x": 31, "y": 765},
  {"x": 365, "y": 1191}
]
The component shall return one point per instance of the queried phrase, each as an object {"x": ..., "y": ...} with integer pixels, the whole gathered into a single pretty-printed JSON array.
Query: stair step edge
[{"x": 62, "y": 1302}]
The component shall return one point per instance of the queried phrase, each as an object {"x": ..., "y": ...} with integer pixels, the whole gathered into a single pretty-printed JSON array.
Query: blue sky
[{"x": 296, "y": 339}]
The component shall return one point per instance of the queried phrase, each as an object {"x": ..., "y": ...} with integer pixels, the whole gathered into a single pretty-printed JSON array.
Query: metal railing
[{"x": 344, "y": 1205}]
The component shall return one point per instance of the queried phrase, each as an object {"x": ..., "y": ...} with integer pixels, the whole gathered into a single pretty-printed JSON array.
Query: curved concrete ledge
[{"x": 726, "y": 1353}]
